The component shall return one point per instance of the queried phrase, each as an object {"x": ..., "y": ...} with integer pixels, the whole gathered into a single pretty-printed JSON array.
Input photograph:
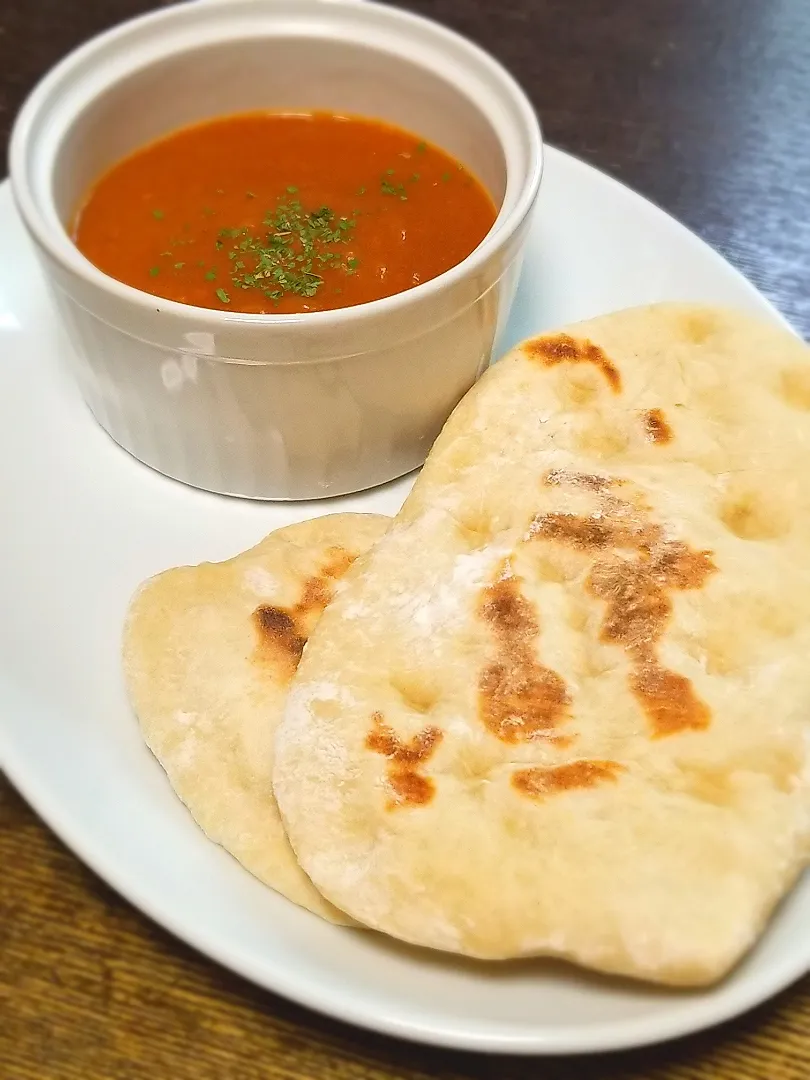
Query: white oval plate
[{"x": 83, "y": 524}]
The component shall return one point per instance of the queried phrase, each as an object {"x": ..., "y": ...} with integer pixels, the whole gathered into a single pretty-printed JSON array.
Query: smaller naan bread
[{"x": 209, "y": 652}]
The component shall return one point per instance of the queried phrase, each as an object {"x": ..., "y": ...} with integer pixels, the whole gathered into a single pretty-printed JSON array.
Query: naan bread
[
  {"x": 209, "y": 652},
  {"x": 563, "y": 707}
]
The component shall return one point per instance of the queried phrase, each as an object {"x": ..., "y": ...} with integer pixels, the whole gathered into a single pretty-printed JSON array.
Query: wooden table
[{"x": 703, "y": 105}]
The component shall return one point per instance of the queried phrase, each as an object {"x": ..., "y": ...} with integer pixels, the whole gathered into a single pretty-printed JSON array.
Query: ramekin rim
[{"x": 71, "y": 260}]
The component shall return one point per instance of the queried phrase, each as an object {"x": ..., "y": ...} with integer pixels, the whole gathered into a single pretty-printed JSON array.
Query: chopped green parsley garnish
[
  {"x": 290, "y": 250},
  {"x": 388, "y": 188},
  {"x": 281, "y": 256}
]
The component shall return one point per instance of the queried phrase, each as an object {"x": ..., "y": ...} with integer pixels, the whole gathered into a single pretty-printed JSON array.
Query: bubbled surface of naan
[{"x": 562, "y": 708}]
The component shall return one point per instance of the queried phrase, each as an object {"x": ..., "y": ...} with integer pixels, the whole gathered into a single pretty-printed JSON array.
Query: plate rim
[{"x": 606, "y": 1036}]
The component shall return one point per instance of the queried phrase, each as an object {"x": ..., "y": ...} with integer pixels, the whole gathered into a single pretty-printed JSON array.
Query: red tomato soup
[{"x": 276, "y": 213}]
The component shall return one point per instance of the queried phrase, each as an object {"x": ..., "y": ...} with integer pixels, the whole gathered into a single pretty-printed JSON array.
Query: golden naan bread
[
  {"x": 209, "y": 652},
  {"x": 563, "y": 707}
]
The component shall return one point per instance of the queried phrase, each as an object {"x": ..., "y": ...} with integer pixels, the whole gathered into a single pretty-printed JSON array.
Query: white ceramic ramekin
[{"x": 280, "y": 406}]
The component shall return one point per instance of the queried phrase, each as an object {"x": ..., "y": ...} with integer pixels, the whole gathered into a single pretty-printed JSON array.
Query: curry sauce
[{"x": 283, "y": 213}]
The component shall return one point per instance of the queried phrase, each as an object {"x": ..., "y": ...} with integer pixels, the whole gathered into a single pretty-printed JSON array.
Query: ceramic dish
[{"x": 85, "y": 523}]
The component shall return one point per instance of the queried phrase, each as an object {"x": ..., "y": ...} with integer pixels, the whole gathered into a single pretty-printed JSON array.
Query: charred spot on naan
[
  {"x": 638, "y": 607},
  {"x": 405, "y": 761},
  {"x": 279, "y": 635},
  {"x": 668, "y": 699},
  {"x": 562, "y": 348},
  {"x": 282, "y": 632},
  {"x": 539, "y": 781},
  {"x": 586, "y": 533},
  {"x": 509, "y": 614},
  {"x": 656, "y": 427},
  {"x": 519, "y": 699},
  {"x": 587, "y": 481},
  {"x": 635, "y": 571},
  {"x": 636, "y": 588},
  {"x": 315, "y": 595}
]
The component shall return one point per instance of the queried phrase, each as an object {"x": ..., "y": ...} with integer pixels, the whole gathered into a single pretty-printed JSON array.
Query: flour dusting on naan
[
  {"x": 564, "y": 709},
  {"x": 209, "y": 652}
]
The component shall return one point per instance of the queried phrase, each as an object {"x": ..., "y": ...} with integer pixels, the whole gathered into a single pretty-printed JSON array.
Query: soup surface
[{"x": 283, "y": 213}]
